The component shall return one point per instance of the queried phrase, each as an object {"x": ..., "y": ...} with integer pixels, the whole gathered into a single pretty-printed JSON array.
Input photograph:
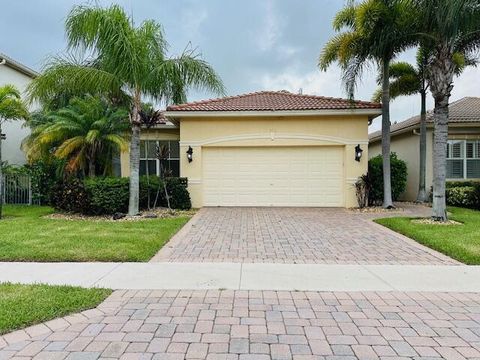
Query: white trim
[
  {"x": 183, "y": 114},
  {"x": 271, "y": 136},
  {"x": 194, "y": 181}
]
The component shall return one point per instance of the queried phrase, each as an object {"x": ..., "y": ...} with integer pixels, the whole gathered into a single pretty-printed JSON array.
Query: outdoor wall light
[
  {"x": 358, "y": 152},
  {"x": 190, "y": 154}
]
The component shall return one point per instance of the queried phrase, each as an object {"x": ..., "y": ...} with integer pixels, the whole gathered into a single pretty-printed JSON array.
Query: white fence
[{"x": 17, "y": 189}]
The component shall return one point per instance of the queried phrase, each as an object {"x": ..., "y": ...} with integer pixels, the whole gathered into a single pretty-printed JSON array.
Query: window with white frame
[
  {"x": 463, "y": 159},
  {"x": 148, "y": 157}
]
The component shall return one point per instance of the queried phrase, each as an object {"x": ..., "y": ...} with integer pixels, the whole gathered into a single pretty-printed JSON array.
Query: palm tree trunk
[
  {"x": 91, "y": 167},
  {"x": 387, "y": 185},
  {"x": 440, "y": 138},
  {"x": 1, "y": 172},
  {"x": 134, "y": 189},
  {"x": 422, "y": 191}
]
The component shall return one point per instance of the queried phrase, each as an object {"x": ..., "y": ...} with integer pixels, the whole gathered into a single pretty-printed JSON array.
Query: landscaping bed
[
  {"x": 26, "y": 234},
  {"x": 25, "y": 305},
  {"x": 459, "y": 239}
]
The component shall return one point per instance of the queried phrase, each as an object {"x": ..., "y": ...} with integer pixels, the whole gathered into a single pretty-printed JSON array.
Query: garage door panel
[{"x": 273, "y": 176}]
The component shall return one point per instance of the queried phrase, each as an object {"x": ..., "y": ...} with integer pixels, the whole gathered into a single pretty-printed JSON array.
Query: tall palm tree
[
  {"x": 371, "y": 32},
  {"x": 405, "y": 80},
  {"x": 11, "y": 108},
  {"x": 86, "y": 134},
  {"x": 128, "y": 62},
  {"x": 449, "y": 27}
]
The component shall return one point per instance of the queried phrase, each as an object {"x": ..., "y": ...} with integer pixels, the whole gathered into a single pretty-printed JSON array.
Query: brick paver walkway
[
  {"x": 260, "y": 325},
  {"x": 295, "y": 235}
]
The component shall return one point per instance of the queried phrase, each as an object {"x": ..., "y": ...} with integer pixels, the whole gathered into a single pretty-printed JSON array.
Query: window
[
  {"x": 463, "y": 159},
  {"x": 148, "y": 157}
]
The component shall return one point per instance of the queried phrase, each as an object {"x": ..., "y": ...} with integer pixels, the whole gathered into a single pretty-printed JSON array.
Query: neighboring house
[
  {"x": 265, "y": 149},
  {"x": 14, "y": 73},
  {"x": 463, "y": 153}
]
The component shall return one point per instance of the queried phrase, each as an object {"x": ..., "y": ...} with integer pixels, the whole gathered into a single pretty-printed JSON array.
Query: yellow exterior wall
[
  {"x": 346, "y": 131},
  {"x": 150, "y": 134}
]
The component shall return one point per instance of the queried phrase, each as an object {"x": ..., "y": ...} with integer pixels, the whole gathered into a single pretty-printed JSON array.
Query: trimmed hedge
[
  {"x": 463, "y": 194},
  {"x": 375, "y": 176},
  {"x": 109, "y": 195}
]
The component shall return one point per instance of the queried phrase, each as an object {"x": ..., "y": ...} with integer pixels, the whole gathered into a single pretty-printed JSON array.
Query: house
[
  {"x": 264, "y": 149},
  {"x": 19, "y": 75},
  {"x": 463, "y": 153}
]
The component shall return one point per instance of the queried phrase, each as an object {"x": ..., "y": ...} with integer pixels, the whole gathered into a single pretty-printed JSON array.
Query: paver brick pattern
[
  {"x": 244, "y": 325},
  {"x": 295, "y": 235}
]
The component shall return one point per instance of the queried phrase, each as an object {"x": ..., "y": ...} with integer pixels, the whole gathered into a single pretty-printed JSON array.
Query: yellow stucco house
[
  {"x": 265, "y": 149},
  {"x": 463, "y": 153}
]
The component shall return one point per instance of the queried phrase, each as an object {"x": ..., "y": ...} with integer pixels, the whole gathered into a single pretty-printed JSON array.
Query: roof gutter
[
  {"x": 7, "y": 61},
  {"x": 371, "y": 113}
]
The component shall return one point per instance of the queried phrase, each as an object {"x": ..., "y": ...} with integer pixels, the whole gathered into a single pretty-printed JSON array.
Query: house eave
[
  {"x": 15, "y": 65},
  {"x": 371, "y": 113},
  {"x": 429, "y": 125}
]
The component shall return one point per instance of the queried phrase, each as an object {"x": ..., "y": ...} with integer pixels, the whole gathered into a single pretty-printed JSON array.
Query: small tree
[
  {"x": 149, "y": 118},
  {"x": 163, "y": 153},
  {"x": 11, "y": 108}
]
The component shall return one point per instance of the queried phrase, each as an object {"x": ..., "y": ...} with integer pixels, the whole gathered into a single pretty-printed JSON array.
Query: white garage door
[{"x": 273, "y": 176}]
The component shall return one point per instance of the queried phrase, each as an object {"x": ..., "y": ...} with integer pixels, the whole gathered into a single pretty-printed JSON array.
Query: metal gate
[{"x": 17, "y": 189}]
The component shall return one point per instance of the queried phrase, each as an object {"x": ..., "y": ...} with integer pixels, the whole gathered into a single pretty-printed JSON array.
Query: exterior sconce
[
  {"x": 190, "y": 154},
  {"x": 358, "y": 153}
]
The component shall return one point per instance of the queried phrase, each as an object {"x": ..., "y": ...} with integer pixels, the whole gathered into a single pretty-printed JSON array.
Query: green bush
[
  {"x": 375, "y": 174},
  {"x": 179, "y": 196},
  {"x": 70, "y": 195},
  {"x": 109, "y": 195},
  {"x": 463, "y": 196}
]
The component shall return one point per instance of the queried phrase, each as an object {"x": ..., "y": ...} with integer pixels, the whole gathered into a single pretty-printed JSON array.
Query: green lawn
[
  {"x": 25, "y": 305},
  {"x": 26, "y": 236},
  {"x": 461, "y": 242}
]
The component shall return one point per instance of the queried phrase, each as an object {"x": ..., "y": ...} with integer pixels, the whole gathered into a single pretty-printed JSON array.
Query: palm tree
[
  {"x": 11, "y": 108},
  {"x": 405, "y": 80},
  {"x": 371, "y": 32},
  {"x": 128, "y": 62},
  {"x": 86, "y": 133},
  {"x": 448, "y": 27}
]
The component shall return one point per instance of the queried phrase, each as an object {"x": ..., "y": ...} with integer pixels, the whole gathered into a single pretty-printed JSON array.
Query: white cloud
[{"x": 271, "y": 30}]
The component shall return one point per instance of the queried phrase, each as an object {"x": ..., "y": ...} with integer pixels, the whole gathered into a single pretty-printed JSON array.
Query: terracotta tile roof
[
  {"x": 273, "y": 101},
  {"x": 465, "y": 110}
]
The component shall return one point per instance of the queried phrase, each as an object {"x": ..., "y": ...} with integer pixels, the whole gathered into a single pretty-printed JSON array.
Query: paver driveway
[
  {"x": 295, "y": 235},
  {"x": 244, "y": 325}
]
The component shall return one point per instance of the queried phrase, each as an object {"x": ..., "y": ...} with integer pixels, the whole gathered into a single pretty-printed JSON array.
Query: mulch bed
[
  {"x": 428, "y": 221},
  {"x": 158, "y": 213}
]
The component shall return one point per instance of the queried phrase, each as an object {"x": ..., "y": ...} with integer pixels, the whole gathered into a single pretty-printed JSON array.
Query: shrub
[
  {"x": 362, "y": 190},
  {"x": 109, "y": 195},
  {"x": 70, "y": 195},
  {"x": 463, "y": 196},
  {"x": 398, "y": 176},
  {"x": 179, "y": 195}
]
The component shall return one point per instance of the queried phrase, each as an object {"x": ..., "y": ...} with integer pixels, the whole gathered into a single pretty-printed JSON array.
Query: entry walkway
[{"x": 238, "y": 276}]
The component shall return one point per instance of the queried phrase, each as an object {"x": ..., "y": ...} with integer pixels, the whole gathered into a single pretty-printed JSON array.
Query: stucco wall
[
  {"x": 407, "y": 147},
  {"x": 346, "y": 131},
  {"x": 14, "y": 131}
]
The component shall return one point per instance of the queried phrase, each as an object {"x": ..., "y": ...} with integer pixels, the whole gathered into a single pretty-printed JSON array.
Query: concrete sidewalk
[{"x": 248, "y": 276}]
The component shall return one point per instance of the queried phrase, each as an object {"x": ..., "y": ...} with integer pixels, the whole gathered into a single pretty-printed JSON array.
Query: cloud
[{"x": 268, "y": 35}]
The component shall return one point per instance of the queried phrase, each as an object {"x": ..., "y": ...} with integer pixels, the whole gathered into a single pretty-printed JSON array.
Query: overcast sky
[{"x": 253, "y": 44}]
